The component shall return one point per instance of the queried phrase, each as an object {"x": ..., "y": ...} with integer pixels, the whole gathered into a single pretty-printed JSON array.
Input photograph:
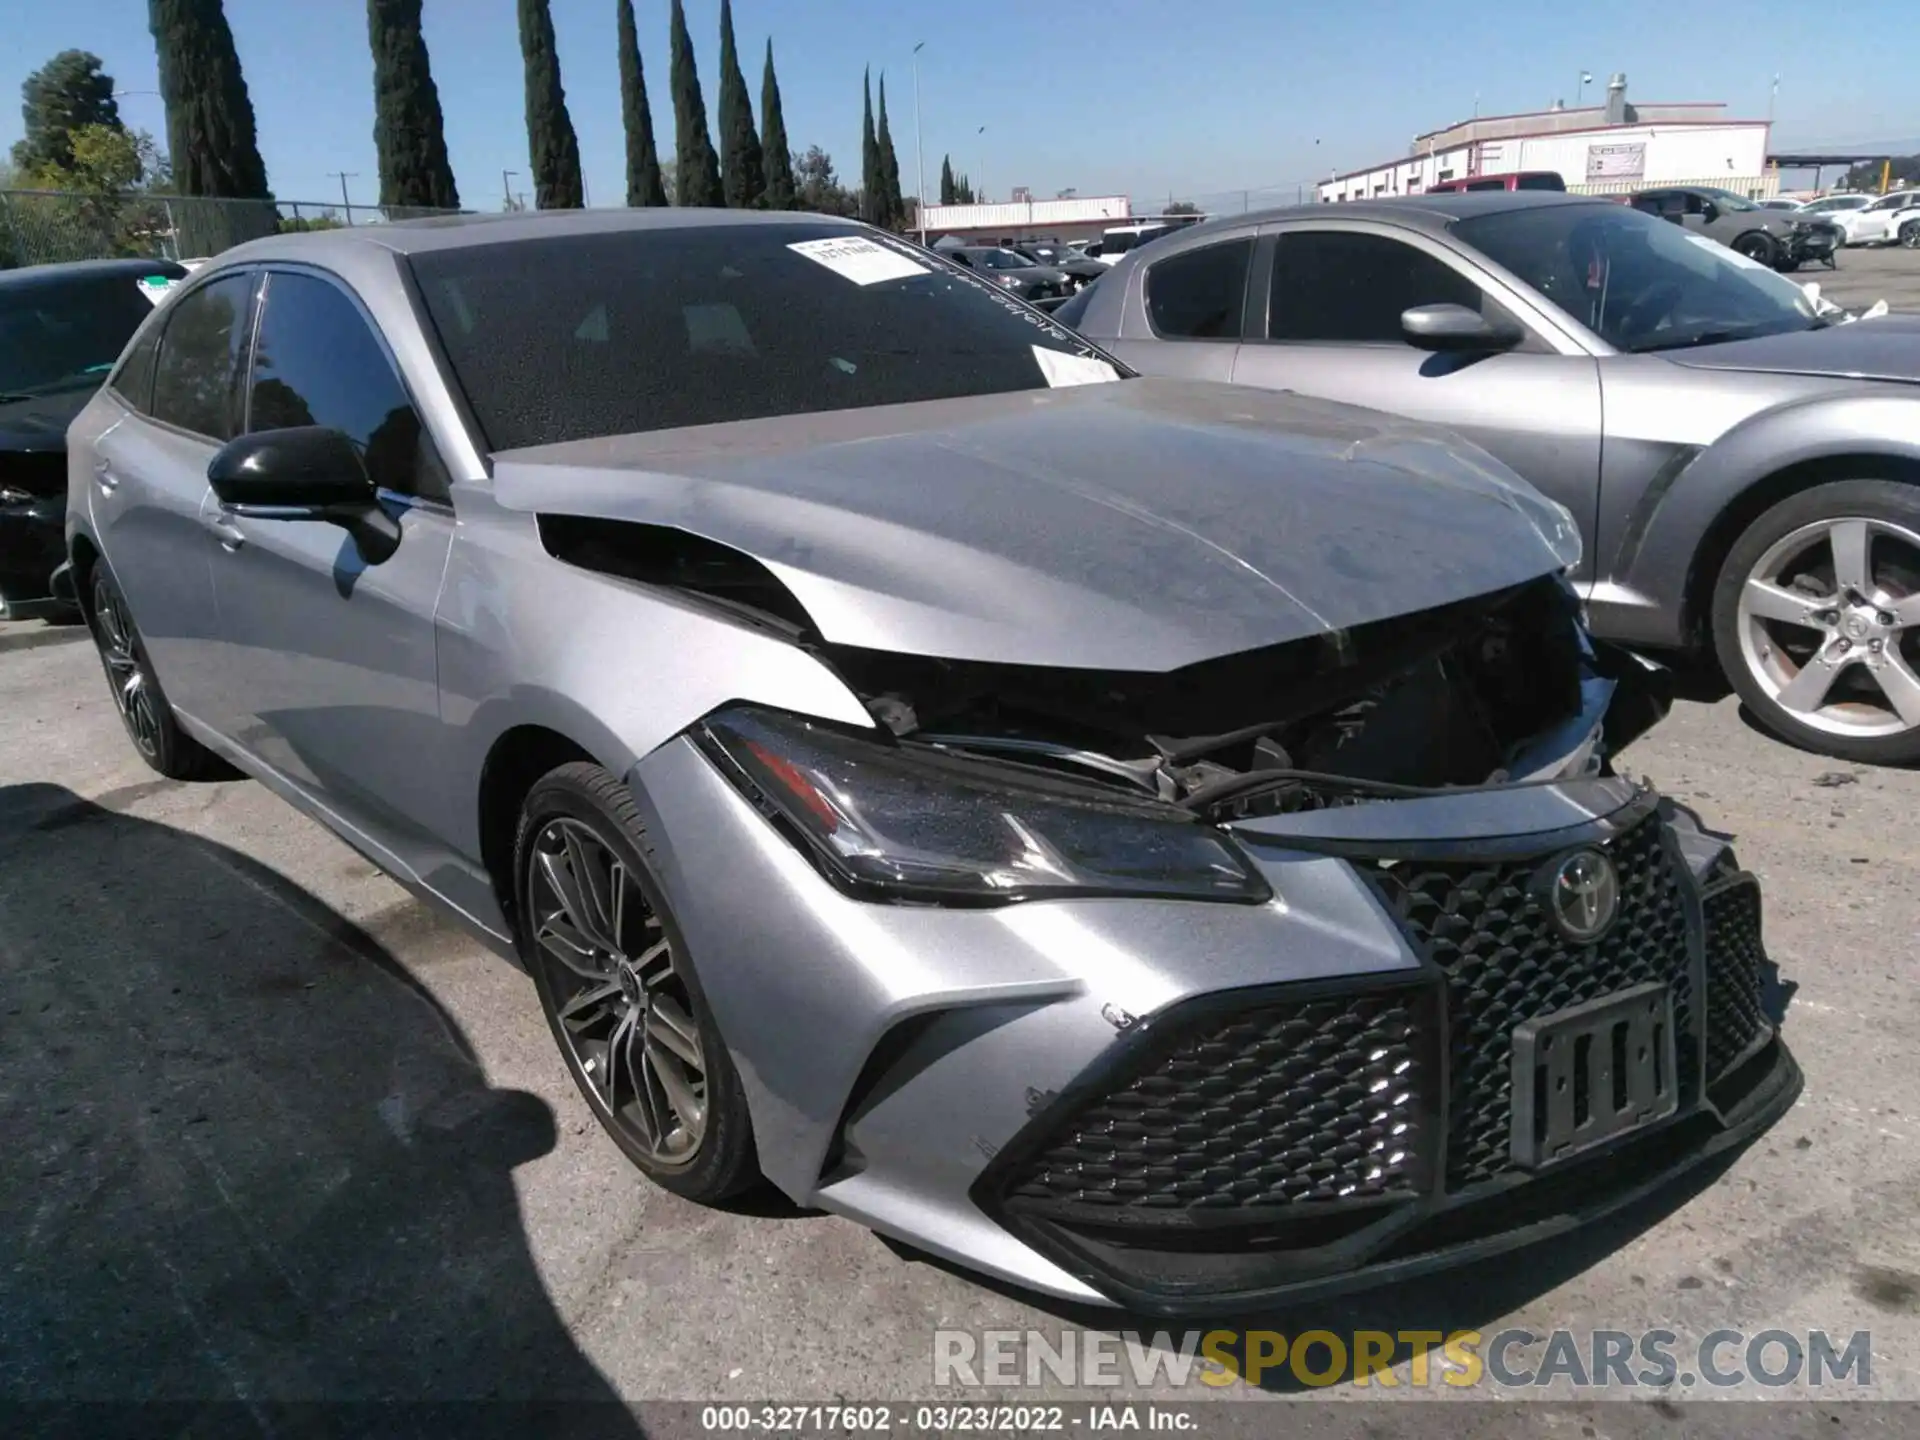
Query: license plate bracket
[{"x": 1593, "y": 1072}]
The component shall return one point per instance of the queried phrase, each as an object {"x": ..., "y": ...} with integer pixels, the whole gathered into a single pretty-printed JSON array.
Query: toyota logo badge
[{"x": 1583, "y": 895}]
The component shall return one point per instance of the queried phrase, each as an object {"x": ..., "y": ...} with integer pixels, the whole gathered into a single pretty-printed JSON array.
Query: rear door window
[
  {"x": 1351, "y": 286},
  {"x": 197, "y": 376},
  {"x": 1201, "y": 294}
]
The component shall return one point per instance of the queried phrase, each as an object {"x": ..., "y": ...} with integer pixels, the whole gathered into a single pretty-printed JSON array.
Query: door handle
[
  {"x": 103, "y": 475},
  {"x": 230, "y": 535}
]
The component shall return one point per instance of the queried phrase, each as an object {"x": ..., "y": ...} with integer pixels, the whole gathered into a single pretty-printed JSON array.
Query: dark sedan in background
[
  {"x": 1741, "y": 463},
  {"x": 1079, "y": 269},
  {"x": 1041, "y": 285},
  {"x": 61, "y": 329}
]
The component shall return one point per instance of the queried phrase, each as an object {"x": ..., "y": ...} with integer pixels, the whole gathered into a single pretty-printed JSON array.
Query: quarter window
[
  {"x": 198, "y": 373},
  {"x": 318, "y": 362},
  {"x": 1201, "y": 294},
  {"x": 1338, "y": 285},
  {"x": 133, "y": 382}
]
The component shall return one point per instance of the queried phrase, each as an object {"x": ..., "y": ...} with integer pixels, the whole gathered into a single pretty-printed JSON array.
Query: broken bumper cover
[{"x": 1179, "y": 1106}]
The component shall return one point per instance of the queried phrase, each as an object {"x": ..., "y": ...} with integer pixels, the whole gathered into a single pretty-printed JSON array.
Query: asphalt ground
[
  {"x": 275, "y": 1133},
  {"x": 1869, "y": 273}
]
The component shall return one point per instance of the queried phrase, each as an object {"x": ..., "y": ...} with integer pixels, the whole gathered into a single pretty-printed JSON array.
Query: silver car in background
[
  {"x": 1148, "y": 840},
  {"x": 1745, "y": 471}
]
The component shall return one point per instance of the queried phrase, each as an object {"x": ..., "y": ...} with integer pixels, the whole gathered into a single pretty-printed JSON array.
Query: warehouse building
[
  {"x": 1609, "y": 149},
  {"x": 1024, "y": 218}
]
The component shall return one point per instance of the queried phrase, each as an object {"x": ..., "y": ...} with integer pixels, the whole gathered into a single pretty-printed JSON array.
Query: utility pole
[
  {"x": 343, "y": 176},
  {"x": 919, "y": 151},
  {"x": 506, "y": 186},
  {"x": 1772, "y": 95},
  {"x": 980, "y": 189}
]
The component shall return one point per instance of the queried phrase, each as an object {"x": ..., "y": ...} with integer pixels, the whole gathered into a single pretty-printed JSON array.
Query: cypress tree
[
  {"x": 743, "y": 176},
  {"x": 948, "y": 195},
  {"x": 870, "y": 187},
  {"x": 893, "y": 204},
  {"x": 407, "y": 129},
  {"x": 555, "y": 149},
  {"x": 66, "y": 93},
  {"x": 774, "y": 154},
  {"x": 697, "y": 169},
  {"x": 210, "y": 132},
  {"x": 644, "y": 186}
]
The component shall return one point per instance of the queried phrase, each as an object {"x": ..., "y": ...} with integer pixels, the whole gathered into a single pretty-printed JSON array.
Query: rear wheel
[
  {"x": 137, "y": 695},
  {"x": 618, "y": 988},
  {"x": 1910, "y": 234},
  {"x": 1816, "y": 620}
]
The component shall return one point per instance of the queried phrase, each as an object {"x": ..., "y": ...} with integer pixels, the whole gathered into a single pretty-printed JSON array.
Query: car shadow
[
  {"x": 255, "y": 1169},
  {"x": 1476, "y": 1296}
]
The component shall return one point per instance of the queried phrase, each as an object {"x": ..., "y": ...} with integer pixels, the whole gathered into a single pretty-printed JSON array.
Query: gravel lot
[{"x": 276, "y": 1133}]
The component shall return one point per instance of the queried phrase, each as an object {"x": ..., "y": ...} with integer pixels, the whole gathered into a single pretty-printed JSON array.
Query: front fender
[{"x": 1870, "y": 425}]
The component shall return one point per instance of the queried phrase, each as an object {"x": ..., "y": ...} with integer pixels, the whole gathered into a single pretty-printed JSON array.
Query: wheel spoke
[
  {"x": 1809, "y": 688},
  {"x": 618, "y": 884},
  {"x": 1767, "y": 601},
  {"x": 1901, "y": 686},
  {"x": 1906, "y": 612},
  {"x": 587, "y": 900},
  {"x": 654, "y": 965},
  {"x": 651, "y": 1104},
  {"x": 1851, "y": 570},
  {"x": 591, "y": 999},
  {"x": 557, "y": 936},
  {"x": 687, "y": 1107},
  {"x": 670, "y": 1026},
  {"x": 617, "y": 1060}
]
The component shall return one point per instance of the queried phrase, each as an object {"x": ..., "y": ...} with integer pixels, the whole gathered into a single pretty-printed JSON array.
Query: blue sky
[{"x": 1152, "y": 98}]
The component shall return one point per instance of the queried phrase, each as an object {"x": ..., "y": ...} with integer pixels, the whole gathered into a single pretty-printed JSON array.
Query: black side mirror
[
  {"x": 309, "y": 472},
  {"x": 1455, "y": 327}
]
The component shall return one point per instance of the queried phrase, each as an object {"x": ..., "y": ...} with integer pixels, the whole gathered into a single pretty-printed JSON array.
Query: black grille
[
  {"x": 1736, "y": 978},
  {"x": 1505, "y": 962},
  {"x": 1312, "y": 1100}
]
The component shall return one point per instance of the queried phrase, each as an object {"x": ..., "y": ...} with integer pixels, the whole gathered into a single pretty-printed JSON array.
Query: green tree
[
  {"x": 554, "y": 148},
  {"x": 1182, "y": 207},
  {"x": 696, "y": 167},
  {"x": 408, "y": 131},
  {"x": 211, "y": 141},
  {"x": 778, "y": 159},
  {"x": 870, "y": 187},
  {"x": 743, "y": 175},
  {"x": 66, "y": 93},
  {"x": 948, "y": 194},
  {"x": 644, "y": 186},
  {"x": 893, "y": 209},
  {"x": 818, "y": 188}
]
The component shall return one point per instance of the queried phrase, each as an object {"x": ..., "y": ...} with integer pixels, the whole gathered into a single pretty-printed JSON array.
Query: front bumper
[
  {"x": 32, "y": 546},
  {"x": 1175, "y": 1106},
  {"x": 1813, "y": 242}
]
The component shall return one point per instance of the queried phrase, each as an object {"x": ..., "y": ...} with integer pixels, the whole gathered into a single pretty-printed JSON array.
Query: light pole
[
  {"x": 343, "y": 176},
  {"x": 919, "y": 153},
  {"x": 506, "y": 186},
  {"x": 980, "y": 190},
  {"x": 1580, "y": 92}
]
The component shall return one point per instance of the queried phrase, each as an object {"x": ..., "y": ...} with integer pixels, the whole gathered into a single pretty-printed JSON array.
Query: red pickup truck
[{"x": 1515, "y": 180}]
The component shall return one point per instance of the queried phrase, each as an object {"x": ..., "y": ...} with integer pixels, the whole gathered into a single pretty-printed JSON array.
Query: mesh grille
[
  {"x": 1505, "y": 962},
  {"x": 1736, "y": 982},
  {"x": 1312, "y": 1100}
]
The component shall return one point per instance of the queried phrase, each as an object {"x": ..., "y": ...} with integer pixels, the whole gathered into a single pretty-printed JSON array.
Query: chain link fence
[{"x": 39, "y": 227}]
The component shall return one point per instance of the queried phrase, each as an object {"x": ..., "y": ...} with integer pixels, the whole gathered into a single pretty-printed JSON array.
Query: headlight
[
  {"x": 893, "y": 821},
  {"x": 1010, "y": 281}
]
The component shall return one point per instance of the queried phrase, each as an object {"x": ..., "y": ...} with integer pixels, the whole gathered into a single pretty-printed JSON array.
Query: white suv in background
[
  {"x": 1841, "y": 210},
  {"x": 1891, "y": 219}
]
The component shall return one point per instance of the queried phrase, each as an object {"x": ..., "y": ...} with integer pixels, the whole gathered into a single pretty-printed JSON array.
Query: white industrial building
[
  {"x": 1023, "y": 218},
  {"x": 1609, "y": 149}
]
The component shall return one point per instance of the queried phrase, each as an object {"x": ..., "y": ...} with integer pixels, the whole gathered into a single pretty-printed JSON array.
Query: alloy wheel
[
  {"x": 624, "y": 1011},
  {"x": 132, "y": 686},
  {"x": 1829, "y": 626},
  {"x": 1910, "y": 235}
]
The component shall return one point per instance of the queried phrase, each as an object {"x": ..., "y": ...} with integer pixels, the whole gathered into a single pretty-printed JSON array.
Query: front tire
[
  {"x": 1816, "y": 620},
  {"x": 1759, "y": 247},
  {"x": 142, "y": 704},
  {"x": 1910, "y": 235},
  {"x": 611, "y": 967}
]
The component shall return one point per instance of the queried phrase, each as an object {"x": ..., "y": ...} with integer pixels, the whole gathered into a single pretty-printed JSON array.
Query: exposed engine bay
[{"x": 1494, "y": 689}]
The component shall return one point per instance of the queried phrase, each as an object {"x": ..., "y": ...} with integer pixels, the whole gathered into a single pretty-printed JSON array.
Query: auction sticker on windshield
[
  {"x": 858, "y": 259},
  {"x": 155, "y": 287}
]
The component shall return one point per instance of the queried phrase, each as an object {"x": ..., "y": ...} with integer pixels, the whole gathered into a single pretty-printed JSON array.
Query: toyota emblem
[{"x": 1583, "y": 895}]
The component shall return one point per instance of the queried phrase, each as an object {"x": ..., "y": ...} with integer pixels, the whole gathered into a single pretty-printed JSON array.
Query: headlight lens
[{"x": 908, "y": 821}]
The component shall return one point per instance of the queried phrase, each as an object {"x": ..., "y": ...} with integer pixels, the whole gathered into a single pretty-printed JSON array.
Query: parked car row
[
  {"x": 1151, "y": 840},
  {"x": 1890, "y": 219},
  {"x": 1780, "y": 240},
  {"x": 1741, "y": 467}
]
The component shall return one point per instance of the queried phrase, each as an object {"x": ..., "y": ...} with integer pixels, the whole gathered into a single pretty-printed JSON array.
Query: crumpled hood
[
  {"x": 1885, "y": 348},
  {"x": 1139, "y": 525}
]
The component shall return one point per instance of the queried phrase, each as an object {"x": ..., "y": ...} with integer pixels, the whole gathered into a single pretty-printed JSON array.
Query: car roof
[
  {"x": 1421, "y": 212},
  {"x": 65, "y": 270},
  {"x": 456, "y": 232}
]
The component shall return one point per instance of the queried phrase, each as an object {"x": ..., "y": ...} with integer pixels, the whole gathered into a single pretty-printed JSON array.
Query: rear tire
[
  {"x": 611, "y": 967},
  {"x": 142, "y": 704},
  {"x": 1910, "y": 235},
  {"x": 1816, "y": 620}
]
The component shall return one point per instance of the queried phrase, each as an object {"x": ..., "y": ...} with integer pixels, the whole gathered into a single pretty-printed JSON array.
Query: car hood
[
  {"x": 1885, "y": 348},
  {"x": 1140, "y": 525},
  {"x": 41, "y": 422}
]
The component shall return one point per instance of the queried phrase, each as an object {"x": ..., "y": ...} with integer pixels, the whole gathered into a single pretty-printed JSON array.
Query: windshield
[
  {"x": 1639, "y": 282},
  {"x": 581, "y": 335},
  {"x": 1005, "y": 260},
  {"x": 67, "y": 334}
]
